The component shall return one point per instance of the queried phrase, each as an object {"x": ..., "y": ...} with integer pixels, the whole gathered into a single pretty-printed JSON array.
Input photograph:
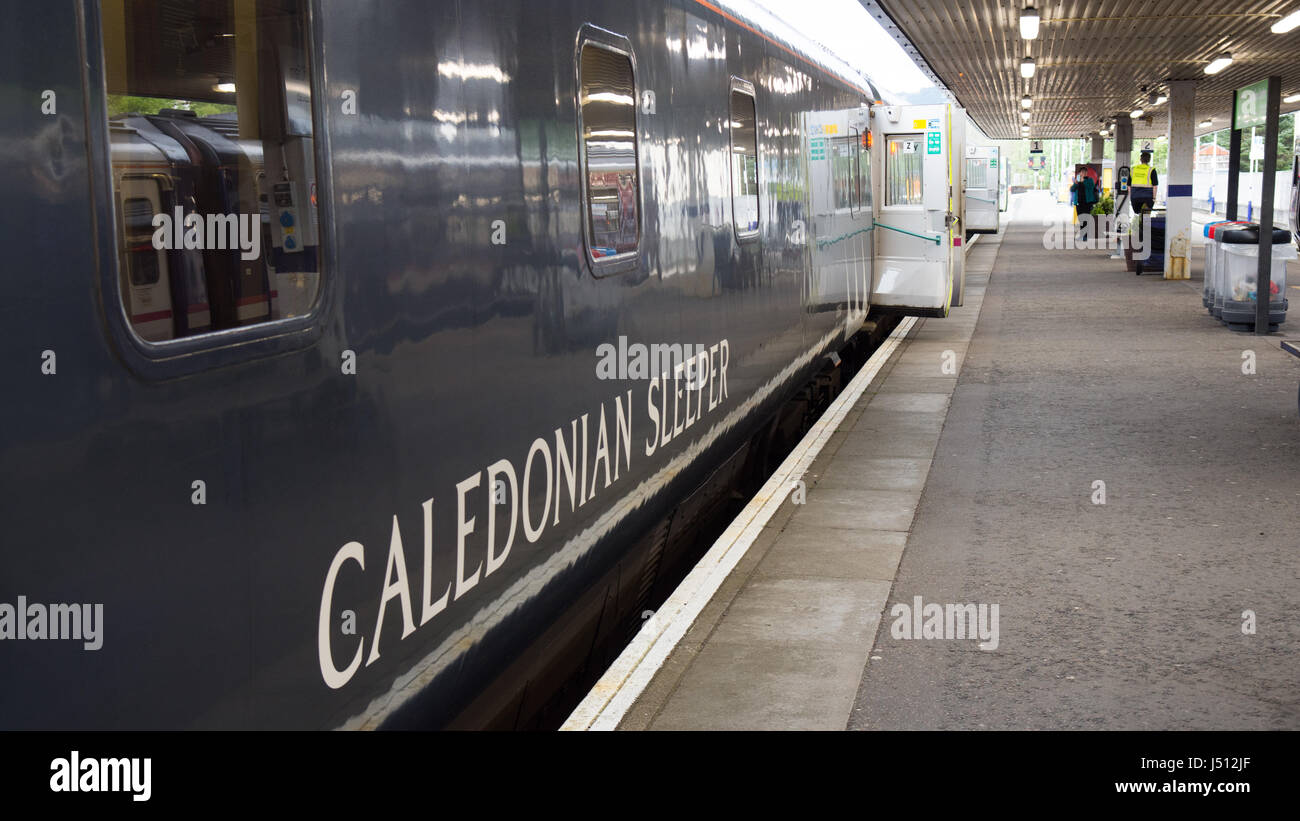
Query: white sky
[{"x": 845, "y": 28}]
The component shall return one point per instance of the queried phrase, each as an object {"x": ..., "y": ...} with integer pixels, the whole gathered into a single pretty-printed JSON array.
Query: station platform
[{"x": 1163, "y": 602}]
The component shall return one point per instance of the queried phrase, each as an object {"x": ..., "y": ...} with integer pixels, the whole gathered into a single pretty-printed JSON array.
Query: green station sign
[{"x": 1250, "y": 106}]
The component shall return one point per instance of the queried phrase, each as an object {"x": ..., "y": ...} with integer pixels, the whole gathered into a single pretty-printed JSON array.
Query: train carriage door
[
  {"x": 840, "y": 235},
  {"x": 144, "y": 270},
  {"x": 982, "y": 212},
  {"x": 919, "y": 266},
  {"x": 955, "y": 136},
  {"x": 1003, "y": 181},
  {"x": 863, "y": 236},
  {"x": 1295, "y": 199}
]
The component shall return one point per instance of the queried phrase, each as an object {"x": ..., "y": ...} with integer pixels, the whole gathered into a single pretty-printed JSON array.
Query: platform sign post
[
  {"x": 1262, "y": 101},
  {"x": 1249, "y": 108}
]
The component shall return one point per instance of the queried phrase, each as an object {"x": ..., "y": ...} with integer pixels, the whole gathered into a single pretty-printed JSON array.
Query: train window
[
  {"x": 607, "y": 112},
  {"x": 977, "y": 173},
  {"x": 744, "y": 161},
  {"x": 845, "y": 173},
  {"x": 864, "y": 176},
  {"x": 144, "y": 267},
  {"x": 903, "y": 160},
  {"x": 213, "y": 169}
]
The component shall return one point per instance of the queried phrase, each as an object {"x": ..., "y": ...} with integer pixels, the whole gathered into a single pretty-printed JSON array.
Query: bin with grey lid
[{"x": 1238, "y": 271}]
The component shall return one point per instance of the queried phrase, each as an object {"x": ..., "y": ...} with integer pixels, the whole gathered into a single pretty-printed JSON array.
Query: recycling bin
[
  {"x": 1219, "y": 288},
  {"x": 1240, "y": 263},
  {"x": 1211, "y": 258}
]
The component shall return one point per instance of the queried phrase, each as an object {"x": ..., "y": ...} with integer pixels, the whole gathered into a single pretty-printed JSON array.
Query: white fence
[{"x": 1214, "y": 184}]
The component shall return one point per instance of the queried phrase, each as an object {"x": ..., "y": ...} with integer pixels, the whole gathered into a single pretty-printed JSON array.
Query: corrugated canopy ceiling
[{"x": 1093, "y": 57}]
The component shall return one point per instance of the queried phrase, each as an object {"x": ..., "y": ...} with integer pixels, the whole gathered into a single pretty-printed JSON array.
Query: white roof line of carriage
[{"x": 780, "y": 31}]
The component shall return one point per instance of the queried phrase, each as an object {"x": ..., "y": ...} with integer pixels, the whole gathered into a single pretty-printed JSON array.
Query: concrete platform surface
[
  {"x": 1099, "y": 469},
  {"x": 1127, "y": 615},
  {"x": 783, "y": 643}
]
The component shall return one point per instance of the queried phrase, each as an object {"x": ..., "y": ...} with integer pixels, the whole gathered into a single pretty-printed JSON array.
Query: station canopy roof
[{"x": 1093, "y": 57}]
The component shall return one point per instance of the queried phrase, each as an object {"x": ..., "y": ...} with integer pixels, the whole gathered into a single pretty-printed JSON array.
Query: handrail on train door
[{"x": 935, "y": 240}]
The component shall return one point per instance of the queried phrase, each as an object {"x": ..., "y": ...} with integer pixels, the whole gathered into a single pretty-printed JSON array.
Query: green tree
[
  {"x": 1286, "y": 143},
  {"x": 119, "y": 104},
  {"x": 1223, "y": 139}
]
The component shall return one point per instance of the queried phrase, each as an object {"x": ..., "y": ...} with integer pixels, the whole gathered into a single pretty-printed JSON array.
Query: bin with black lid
[{"x": 1239, "y": 276}]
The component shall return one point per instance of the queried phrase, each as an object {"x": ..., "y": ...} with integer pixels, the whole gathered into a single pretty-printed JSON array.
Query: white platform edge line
[{"x": 626, "y": 679}]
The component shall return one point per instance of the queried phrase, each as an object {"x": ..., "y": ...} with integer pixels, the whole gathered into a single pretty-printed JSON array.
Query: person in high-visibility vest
[{"x": 1143, "y": 184}]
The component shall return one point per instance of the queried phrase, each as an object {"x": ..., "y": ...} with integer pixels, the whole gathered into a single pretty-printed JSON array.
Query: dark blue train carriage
[{"x": 371, "y": 477}]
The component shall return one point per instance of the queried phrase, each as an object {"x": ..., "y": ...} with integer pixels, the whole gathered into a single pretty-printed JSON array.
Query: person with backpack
[{"x": 1085, "y": 197}]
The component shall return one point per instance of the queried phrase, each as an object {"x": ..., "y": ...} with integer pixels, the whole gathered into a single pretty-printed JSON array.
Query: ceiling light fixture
[
  {"x": 1291, "y": 98},
  {"x": 1287, "y": 23},
  {"x": 1135, "y": 113},
  {"x": 1026, "y": 101},
  {"x": 1027, "y": 67},
  {"x": 1024, "y": 115},
  {"x": 1161, "y": 99},
  {"x": 1206, "y": 123},
  {"x": 1029, "y": 21},
  {"x": 1219, "y": 63}
]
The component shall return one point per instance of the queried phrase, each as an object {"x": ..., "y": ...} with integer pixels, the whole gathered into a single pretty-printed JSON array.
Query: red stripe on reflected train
[{"x": 136, "y": 319}]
